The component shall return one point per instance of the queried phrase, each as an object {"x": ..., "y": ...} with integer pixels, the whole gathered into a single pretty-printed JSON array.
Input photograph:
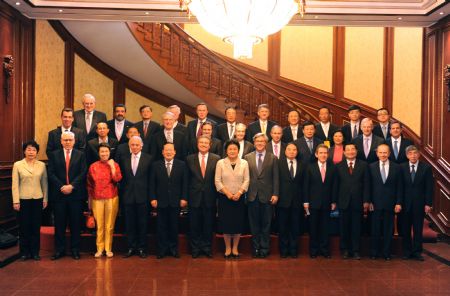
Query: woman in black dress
[{"x": 232, "y": 180}]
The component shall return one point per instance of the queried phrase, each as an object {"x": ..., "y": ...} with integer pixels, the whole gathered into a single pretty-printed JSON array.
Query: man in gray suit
[{"x": 262, "y": 194}]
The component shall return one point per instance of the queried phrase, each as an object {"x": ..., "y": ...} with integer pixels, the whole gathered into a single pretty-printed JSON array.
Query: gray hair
[
  {"x": 88, "y": 96},
  {"x": 368, "y": 120},
  {"x": 411, "y": 148},
  {"x": 137, "y": 138},
  {"x": 239, "y": 125},
  {"x": 275, "y": 127},
  {"x": 168, "y": 113},
  {"x": 261, "y": 135},
  {"x": 68, "y": 133}
]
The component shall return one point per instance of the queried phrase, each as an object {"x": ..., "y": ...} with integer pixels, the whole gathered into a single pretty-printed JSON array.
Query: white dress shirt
[
  {"x": 294, "y": 165},
  {"x": 326, "y": 128},
  {"x": 200, "y": 159},
  {"x": 229, "y": 126},
  {"x": 294, "y": 130},
  {"x": 241, "y": 148},
  {"x": 119, "y": 128}
]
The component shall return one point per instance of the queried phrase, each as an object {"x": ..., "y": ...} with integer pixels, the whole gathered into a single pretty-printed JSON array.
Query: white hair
[
  {"x": 137, "y": 138},
  {"x": 88, "y": 96},
  {"x": 69, "y": 134}
]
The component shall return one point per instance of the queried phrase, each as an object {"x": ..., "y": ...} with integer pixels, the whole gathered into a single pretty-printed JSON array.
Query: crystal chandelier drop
[{"x": 243, "y": 23}]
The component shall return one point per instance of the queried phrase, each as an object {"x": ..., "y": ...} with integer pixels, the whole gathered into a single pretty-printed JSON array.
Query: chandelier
[{"x": 243, "y": 23}]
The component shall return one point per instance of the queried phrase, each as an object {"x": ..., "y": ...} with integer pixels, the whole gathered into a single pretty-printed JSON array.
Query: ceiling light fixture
[
  {"x": 399, "y": 18},
  {"x": 441, "y": 13},
  {"x": 17, "y": 3},
  {"x": 60, "y": 10},
  {"x": 243, "y": 23},
  {"x": 147, "y": 13}
]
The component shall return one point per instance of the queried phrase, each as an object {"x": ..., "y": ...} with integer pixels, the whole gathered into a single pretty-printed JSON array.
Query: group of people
[{"x": 227, "y": 171}]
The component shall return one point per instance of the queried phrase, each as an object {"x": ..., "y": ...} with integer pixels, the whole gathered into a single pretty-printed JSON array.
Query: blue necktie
[
  {"x": 383, "y": 173},
  {"x": 413, "y": 173},
  {"x": 396, "y": 149}
]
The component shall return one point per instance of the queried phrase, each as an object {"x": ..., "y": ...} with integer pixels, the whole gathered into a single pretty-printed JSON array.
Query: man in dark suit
[
  {"x": 262, "y": 125},
  {"x": 168, "y": 193},
  {"x": 216, "y": 145},
  {"x": 124, "y": 148},
  {"x": 352, "y": 129},
  {"x": 54, "y": 136},
  {"x": 178, "y": 126},
  {"x": 307, "y": 144},
  {"x": 325, "y": 129},
  {"x": 202, "y": 197},
  {"x": 169, "y": 135},
  {"x": 397, "y": 143},
  {"x": 146, "y": 127},
  {"x": 67, "y": 173},
  {"x": 275, "y": 146},
  {"x": 367, "y": 143},
  {"x": 225, "y": 131},
  {"x": 135, "y": 194},
  {"x": 383, "y": 127},
  {"x": 294, "y": 130},
  {"x": 195, "y": 126},
  {"x": 319, "y": 199},
  {"x": 386, "y": 198},
  {"x": 289, "y": 207},
  {"x": 417, "y": 201},
  {"x": 353, "y": 182},
  {"x": 87, "y": 118},
  {"x": 119, "y": 126},
  {"x": 92, "y": 146},
  {"x": 262, "y": 193}
]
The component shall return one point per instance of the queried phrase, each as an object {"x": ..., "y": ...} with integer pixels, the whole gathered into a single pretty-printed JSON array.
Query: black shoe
[
  {"x": 175, "y": 254},
  {"x": 418, "y": 258},
  {"x": 25, "y": 257},
  {"x": 356, "y": 256},
  {"x": 227, "y": 256},
  {"x": 208, "y": 254},
  {"x": 326, "y": 255},
  {"x": 387, "y": 258},
  {"x": 262, "y": 255},
  {"x": 159, "y": 256},
  {"x": 195, "y": 255},
  {"x": 345, "y": 255},
  {"x": 255, "y": 254},
  {"x": 294, "y": 255},
  {"x": 58, "y": 255},
  {"x": 36, "y": 258},
  {"x": 76, "y": 255},
  {"x": 129, "y": 253},
  {"x": 142, "y": 254},
  {"x": 235, "y": 256},
  {"x": 283, "y": 255},
  {"x": 406, "y": 257}
]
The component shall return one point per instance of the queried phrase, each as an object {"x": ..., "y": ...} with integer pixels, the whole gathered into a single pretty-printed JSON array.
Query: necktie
[
  {"x": 322, "y": 172},
  {"x": 67, "y": 166},
  {"x": 383, "y": 172},
  {"x": 384, "y": 128},
  {"x": 291, "y": 169},
  {"x": 134, "y": 164},
  {"x": 355, "y": 132},
  {"x": 310, "y": 146},
  {"x": 169, "y": 137},
  {"x": 263, "y": 127},
  {"x": 260, "y": 163},
  {"x": 350, "y": 167},
  {"x": 395, "y": 149},
  {"x": 168, "y": 168},
  {"x": 413, "y": 173},
  {"x": 275, "y": 149},
  {"x": 145, "y": 129},
  {"x": 231, "y": 131},
  {"x": 199, "y": 131},
  {"x": 88, "y": 122},
  {"x": 203, "y": 166},
  {"x": 366, "y": 147}
]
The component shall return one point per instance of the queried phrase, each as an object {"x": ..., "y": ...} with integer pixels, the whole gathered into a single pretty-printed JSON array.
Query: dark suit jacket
[
  {"x": 112, "y": 130},
  {"x": 202, "y": 191},
  {"x": 266, "y": 183},
  {"x": 255, "y": 128},
  {"x": 386, "y": 196},
  {"x": 80, "y": 122},
  {"x": 269, "y": 148},
  {"x": 152, "y": 129},
  {"x": 320, "y": 134},
  {"x": 354, "y": 189},
  {"x": 54, "y": 140},
  {"x": 401, "y": 158},
  {"x": 290, "y": 189},
  {"x": 77, "y": 174},
  {"x": 216, "y": 147},
  {"x": 419, "y": 193},
  {"x": 92, "y": 149},
  {"x": 222, "y": 132},
  {"x": 320, "y": 194},
  {"x": 123, "y": 150},
  {"x": 347, "y": 131},
  {"x": 179, "y": 140},
  {"x": 304, "y": 154},
  {"x": 287, "y": 134},
  {"x": 372, "y": 156},
  {"x": 135, "y": 188},
  {"x": 169, "y": 190},
  {"x": 181, "y": 128},
  {"x": 192, "y": 126},
  {"x": 379, "y": 132},
  {"x": 248, "y": 148}
]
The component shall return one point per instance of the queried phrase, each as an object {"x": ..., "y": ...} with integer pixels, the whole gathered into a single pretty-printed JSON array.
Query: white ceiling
[{"x": 421, "y": 13}]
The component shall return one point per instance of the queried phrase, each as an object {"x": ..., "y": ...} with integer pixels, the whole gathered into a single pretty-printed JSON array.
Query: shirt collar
[
  {"x": 138, "y": 154},
  {"x": 415, "y": 164},
  {"x": 63, "y": 129},
  {"x": 168, "y": 161},
  {"x": 353, "y": 162},
  {"x": 200, "y": 155}
]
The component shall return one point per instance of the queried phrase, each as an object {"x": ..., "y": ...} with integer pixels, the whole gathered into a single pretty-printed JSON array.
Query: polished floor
[{"x": 246, "y": 276}]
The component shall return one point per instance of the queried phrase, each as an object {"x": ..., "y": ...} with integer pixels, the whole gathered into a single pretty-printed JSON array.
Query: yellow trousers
[{"x": 105, "y": 212}]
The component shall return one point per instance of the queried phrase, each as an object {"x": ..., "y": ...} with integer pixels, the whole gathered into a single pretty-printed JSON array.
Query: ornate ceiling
[{"x": 319, "y": 12}]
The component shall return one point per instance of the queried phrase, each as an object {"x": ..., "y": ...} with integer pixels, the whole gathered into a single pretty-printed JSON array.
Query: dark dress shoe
[
  {"x": 142, "y": 254},
  {"x": 283, "y": 255},
  {"x": 129, "y": 253},
  {"x": 235, "y": 256},
  {"x": 36, "y": 258},
  {"x": 405, "y": 257},
  {"x": 255, "y": 254},
  {"x": 175, "y": 254},
  {"x": 227, "y": 256},
  {"x": 262, "y": 255},
  {"x": 76, "y": 255},
  {"x": 57, "y": 256},
  {"x": 345, "y": 255},
  {"x": 294, "y": 255},
  {"x": 356, "y": 256},
  {"x": 313, "y": 256},
  {"x": 418, "y": 258},
  {"x": 327, "y": 255},
  {"x": 25, "y": 257},
  {"x": 208, "y": 254},
  {"x": 195, "y": 255},
  {"x": 159, "y": 256},
  {"x": 387, "y": 258}
]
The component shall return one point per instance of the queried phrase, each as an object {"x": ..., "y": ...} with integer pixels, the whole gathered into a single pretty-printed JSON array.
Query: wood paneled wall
[
  {"x": 436, "y": 117},
  {"x": 16, "y": 111}
]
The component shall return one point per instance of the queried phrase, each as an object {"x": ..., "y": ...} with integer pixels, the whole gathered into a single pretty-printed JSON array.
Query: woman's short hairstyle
[
  {"x": 31, "y": 143},
  {"x": 231, "y": 142},
  {"x": 104, "y": 145}
]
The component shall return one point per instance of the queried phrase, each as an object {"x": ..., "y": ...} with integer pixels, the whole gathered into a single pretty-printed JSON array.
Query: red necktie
[
  {"x": 200, "y": 132},
  {"x": 67, "y": 166},
  {"x": 350, "y": 167}
]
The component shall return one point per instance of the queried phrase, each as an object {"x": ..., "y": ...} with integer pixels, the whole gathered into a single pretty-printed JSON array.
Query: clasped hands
[
  {"x": 66, "y": 189},
  {"x": 183, "y": 203}
]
